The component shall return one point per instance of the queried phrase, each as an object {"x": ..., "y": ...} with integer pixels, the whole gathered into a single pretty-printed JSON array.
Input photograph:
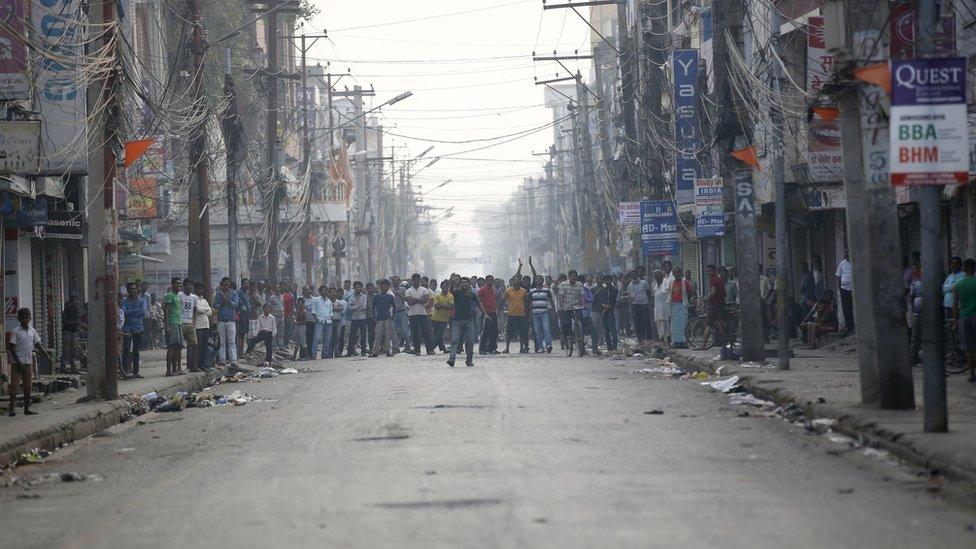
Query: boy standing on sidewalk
[
  {"x": 173, "y": 308},
  {"x": 23, "y": 340}
]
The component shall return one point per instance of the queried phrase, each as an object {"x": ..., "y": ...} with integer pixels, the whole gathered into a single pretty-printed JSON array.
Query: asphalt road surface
[{"x": 519, "y": 451}]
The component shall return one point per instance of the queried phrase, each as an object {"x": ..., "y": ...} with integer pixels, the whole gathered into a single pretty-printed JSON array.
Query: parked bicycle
[{"x": 726, "y": 328}]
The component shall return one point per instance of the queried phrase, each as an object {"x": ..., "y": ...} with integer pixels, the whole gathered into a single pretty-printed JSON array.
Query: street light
[{"x": 435, "y": 188}]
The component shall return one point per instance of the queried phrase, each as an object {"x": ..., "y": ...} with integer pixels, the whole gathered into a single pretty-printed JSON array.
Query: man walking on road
[
  {"x": 541, "y": 299},
  {"x": 517, "y": 326},
  {"x": 465, "y": 304},
  {"x": 845, "y": 279}
]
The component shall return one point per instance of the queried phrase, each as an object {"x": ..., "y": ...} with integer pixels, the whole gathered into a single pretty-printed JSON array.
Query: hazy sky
[{"x": 472, "y": 79}]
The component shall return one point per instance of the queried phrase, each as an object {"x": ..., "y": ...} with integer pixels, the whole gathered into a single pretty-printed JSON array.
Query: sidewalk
[
  {"x": 61, "y": 419},
  {"x": 825, "y": 383}
]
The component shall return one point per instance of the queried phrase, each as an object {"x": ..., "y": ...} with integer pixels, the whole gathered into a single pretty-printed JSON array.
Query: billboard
[
  {"x": 929, "y": 130},
  {"x": 709, "y": 208},
  {"x": 142, "y": 199},
  {"x": 58, "y": 28},
  {"x": 18, "y": 146},
  {"x": 659, "y": 228},
  {"x": 630, "y": 214},
  {"x": 13, "y": 52},
  {"x": 824, "y": 160},
  {"x": 687, "y": 134}
]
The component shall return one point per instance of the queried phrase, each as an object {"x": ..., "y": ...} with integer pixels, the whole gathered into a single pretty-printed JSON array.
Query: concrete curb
[
  {"x": 847, "y": 423},
  {"x": 95, "y": 418}
]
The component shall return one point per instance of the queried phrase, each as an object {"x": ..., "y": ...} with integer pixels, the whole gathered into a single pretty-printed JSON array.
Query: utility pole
[
  {"x": 198, "y": 212},
  {"x": 306, "y": 158},
  {"x": 588, "y": 182},
  {"x": 872, "y": 219},
  {"x": 271, "y": 37},
  {"x": 628, "y": 72},
  {"x": 930, "y": 213},
  {"x": 232, "y": 142},
  {"x": 782, "y": 217},
  {"x": 103, "y": 222},
  {"x": 356, "y": 227}
]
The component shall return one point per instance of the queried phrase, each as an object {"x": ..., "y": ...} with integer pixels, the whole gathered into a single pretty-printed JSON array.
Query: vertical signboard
[
  {"x": 629, "y": 214},
  {"x": 18, "y": 146},
  {"x": 929, "y": 130},
  {"x": 687, "y": 135},
  {"x": 13, "y": 52},
  {"x": 709, "y": 208},
  {"x": 659, "y": 228},
  {"x": 57, "y": 28},
  {"x": 142, "y": 198},
  {"x": 824, "y": 160}
]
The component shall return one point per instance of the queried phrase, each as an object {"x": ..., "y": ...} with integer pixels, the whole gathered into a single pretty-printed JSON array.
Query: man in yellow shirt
[
  {"x": 517, "y": 319},
  {"x": 441, "y": 315}
]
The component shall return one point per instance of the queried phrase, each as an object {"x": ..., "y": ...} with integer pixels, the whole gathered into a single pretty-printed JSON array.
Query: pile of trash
[
  {"x": 661, "y": 367},
  {"x": 153, "y": 402}
]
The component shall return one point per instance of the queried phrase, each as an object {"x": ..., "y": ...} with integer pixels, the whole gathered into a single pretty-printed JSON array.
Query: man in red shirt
[
  {"x": 288, "y": 298},
  {"x": 489, "y": 334},
  {"x": 714, "y": 305}
]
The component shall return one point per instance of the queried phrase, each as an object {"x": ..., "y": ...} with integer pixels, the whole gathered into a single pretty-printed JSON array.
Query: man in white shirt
[
  {"x": 201, "y": 323},
  {"x": 320, "y": 309},
  {"x": 188, "y": 306},
  {"x": 845, "y": 279},
  {"x": 267, "y": 328},
  {"x": 338, "y": 330},
  {"x": 23, "y": 340},
  {"x": 418, "y": 298}
]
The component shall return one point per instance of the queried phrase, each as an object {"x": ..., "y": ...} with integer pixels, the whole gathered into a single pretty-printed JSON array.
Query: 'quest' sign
[{"x": 929, "y": 133}]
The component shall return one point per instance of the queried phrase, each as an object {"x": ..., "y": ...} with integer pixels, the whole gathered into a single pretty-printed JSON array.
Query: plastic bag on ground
[{"x": 723, "y": 385}]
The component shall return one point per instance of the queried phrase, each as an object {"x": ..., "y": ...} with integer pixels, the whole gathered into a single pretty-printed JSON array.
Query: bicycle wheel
[
  {"x": 568, "y": 343},
  {"x": 695, "y": 333},
  {"x": 578, "y": 333}
]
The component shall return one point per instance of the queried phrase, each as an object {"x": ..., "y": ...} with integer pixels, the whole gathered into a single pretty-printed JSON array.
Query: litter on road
[{"x": 723, "y": 385}]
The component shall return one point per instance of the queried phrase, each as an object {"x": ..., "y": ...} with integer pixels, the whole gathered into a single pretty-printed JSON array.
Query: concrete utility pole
[
  {"x": 930, "y": 212},
  {"x": 232, "y": 142},
  {"x": 747, "y": 264},
  {"x": 198, "y": 211},
  {"x": 588, "y": 183},
  {"x": 103, "y": 222},
  {"x": 782, "y": 217},
  {"x": 271, "y": 253},
  {"x": 872, "y": 219},
  {"x": 628, "y": 73}
]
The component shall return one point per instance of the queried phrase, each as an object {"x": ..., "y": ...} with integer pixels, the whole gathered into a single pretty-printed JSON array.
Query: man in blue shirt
[
  {"x": 383, "y": 305},
  {"x": 228, "y": 305},
  {"x": 135, "y": 310},
  {"x": 321, "y": 309}
]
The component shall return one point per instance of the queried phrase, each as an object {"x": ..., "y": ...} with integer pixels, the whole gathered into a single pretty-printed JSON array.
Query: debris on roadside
[
  {"x": 746, "y": 399},
  {"x": 723, "y": 385},
  {"x": 654, "y": 413},
  {"x": 696, "y": 375},
  {"x": 35, "y": 455}
]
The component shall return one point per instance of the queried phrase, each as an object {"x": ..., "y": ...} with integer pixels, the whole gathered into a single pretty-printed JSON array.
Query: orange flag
[
  {"x": 879, "y": 75},
  {"x": 747, "y": 155},
  {"x": 135, "y": 149}
]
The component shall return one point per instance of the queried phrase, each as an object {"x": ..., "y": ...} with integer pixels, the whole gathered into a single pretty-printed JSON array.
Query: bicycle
[
  {"x": 726, "y": 328},
  {"x": 568, "y": 343},
  {"x": 955, "y": 361}
]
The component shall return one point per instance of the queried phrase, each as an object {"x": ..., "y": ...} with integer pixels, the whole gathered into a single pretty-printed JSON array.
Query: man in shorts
[
  {"x": 23, "y": 340},
  {"x": 964, "y": 314},
  {"x": 172, "y": 308},
  {"x": 188, "y": 308}
]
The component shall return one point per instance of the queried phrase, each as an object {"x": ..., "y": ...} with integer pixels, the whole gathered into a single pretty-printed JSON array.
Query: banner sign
[
  {"x": 64, "y": 224},
  {"x": 824, "y": 160},
  {"x": 630, "y": 214},
  {"x": 13, "y": 53},
  {"x": 141, "y": 199},
  {"x": 32, "y": 213},
  {"x": 687, "y": 134},
  {"x": 929, "y": 132},
  {"x": 18, "y": 146},
  {"x": 709, "y": 208},
  {"x": 58, "y": 28},
  {"x": 659, "y": 228},
  {"x": 903, "y": 17}
]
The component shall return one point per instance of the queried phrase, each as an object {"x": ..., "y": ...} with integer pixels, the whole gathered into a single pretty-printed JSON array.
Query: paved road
[{"x": 516, "y": 452}]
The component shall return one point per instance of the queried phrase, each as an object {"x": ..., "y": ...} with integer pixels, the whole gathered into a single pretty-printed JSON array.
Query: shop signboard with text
[
  {"x": 659, "y": 228},
  {"x": 709, "y": 208},
  {"x": 929, "y": 132}
]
